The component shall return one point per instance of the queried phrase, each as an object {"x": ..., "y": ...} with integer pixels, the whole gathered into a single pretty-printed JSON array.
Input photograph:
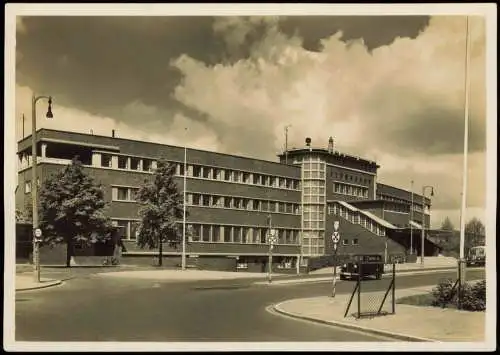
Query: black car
[{"x": 371, "y": 265}]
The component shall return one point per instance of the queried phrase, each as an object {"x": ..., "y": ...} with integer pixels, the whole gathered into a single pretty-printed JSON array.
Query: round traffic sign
[
  {"x": 38, "y": 232},
  {"x": 336, "y": 237}
]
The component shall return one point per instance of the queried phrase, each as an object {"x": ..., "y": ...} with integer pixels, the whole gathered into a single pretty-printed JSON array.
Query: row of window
[
  {"x": 242, "y": 203},
  {"x": 349, "y": 177},
  {"x": 193, "y": 199},
  {"x": 416, "y": 207},
  {"x": 351, "y": 190},
  {"x": 238, "y": 234},
  {"x": 203, "y": 172},
  {"x": 220, "y": 234},
  {"x": 357, "y": 218}
]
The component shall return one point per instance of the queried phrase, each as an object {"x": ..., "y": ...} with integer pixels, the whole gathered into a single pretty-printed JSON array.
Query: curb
[
  {"x": 323, "y": 279},
  {"x": 397, "y": 336},
  {"x": 46, "y": 285}
]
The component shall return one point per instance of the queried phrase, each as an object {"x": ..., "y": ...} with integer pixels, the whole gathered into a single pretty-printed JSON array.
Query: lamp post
[
  {"x": 183, "y": 258},
  {"x": 423, "y": 220},
  {"x": 34, "y": 183}
]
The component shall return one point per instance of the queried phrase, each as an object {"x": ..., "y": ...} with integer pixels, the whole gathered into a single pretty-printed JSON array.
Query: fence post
[
  {"x": 359, "y": 289},
  {"x": 393, "y": 288}
]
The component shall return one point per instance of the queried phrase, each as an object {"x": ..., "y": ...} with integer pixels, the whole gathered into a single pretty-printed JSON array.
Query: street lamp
[
  {"x": 183, "y": 261},
  {"x": 423, "y": 220},
  {"x": 34, "y": 183}
]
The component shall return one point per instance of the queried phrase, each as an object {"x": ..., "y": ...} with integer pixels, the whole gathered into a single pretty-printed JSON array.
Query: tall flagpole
[
  {"x": 183, "y": 258},
  {"x": 411, "y": 220},
  {"x": 461, "y": 271}
]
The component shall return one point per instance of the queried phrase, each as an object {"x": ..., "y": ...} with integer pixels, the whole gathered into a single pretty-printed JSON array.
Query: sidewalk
[
  {"x": 25, "y": 282},
  {"x": 311, "y": 278},
  {"x": 410, "y": 323}
]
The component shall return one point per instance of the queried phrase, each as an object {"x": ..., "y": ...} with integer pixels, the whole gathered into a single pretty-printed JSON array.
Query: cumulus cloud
[
  {"x": 74, "y": 120},
  {"x": 406, "y": 98}
]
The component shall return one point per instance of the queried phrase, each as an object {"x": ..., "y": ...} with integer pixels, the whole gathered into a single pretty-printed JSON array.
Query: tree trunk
[
  {"x": 160, "y": 251},
  {"x": 69, "y": 252}
]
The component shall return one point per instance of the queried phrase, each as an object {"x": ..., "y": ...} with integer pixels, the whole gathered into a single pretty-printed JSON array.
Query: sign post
[
  {"x": 271, "y": 239},
  {"x": 335, "y": 239}
]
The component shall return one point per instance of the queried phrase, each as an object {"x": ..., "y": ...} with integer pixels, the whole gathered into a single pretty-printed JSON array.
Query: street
[{"x": 94, "y": 308}]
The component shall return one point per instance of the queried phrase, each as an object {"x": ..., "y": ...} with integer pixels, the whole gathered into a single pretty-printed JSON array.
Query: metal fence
[{"x": 367, "y": 300}]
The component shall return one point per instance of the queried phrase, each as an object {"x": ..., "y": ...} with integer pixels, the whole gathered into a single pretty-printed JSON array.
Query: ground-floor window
[{"x": 130, "y": 228}]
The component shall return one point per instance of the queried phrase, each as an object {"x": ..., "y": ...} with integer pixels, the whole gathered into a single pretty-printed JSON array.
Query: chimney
[
  {"x": 92, "y": 132},
  {"x": 330, "y": 145},
  {"x": 113, "y": 133}
]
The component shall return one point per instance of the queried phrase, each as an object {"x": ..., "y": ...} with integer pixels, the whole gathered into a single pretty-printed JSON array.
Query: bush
[
  {"x": 442, "y": 293},
  {"x": 473, "y": 297}
]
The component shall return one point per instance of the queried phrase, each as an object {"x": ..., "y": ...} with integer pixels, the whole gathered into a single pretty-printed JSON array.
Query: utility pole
[
  {"x": 183, "y": 259},
  {"x": 461, "y": 271}
]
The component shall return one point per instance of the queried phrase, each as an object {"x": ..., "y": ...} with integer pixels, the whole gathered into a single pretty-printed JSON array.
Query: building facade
[{"x": 233, "y": 201}]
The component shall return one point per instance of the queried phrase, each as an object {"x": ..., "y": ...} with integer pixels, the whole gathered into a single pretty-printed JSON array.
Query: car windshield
[{"x": 477, "y": 251}]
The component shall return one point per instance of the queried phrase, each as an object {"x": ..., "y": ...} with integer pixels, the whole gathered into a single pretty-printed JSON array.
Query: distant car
[
  {"x": 476, "y": 256},
  {"x": 372, "y": 265}
]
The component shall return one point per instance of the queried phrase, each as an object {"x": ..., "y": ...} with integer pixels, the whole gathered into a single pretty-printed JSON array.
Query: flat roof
[
  {"x": 154, "y": 143},
  {"x": 326, "y": 151}
]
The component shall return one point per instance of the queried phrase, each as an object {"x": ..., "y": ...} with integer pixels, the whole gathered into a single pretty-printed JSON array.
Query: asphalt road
[{"x": 93, "y": 308}]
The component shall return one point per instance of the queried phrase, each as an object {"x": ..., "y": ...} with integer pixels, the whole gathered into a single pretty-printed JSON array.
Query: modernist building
[{"x": 231, "y": 200}]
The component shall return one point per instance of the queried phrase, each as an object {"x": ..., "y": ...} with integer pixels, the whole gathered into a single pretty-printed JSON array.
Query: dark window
[
  {"x": 206, "y": 200},
  {"x": 227, "y": 175},
  {"x": 237, "y": 234},
  {"x": 227, "y": 202},
  {"x": 206, "y": 172},
  {"x": 147, "y": 165},
  {"x": 134, "y": 163},
  {"x": 227, "y": 234},
  {"x": 122, "y": 162},
  {"x": 237, "y": 202},
  {"x": 196, "y": 171},
  {"x": 196, "y": 199},
  {"x": 256, "y": 178},
  {"x": 106, "y": 160},
  {"x": 206, "y": 233}
]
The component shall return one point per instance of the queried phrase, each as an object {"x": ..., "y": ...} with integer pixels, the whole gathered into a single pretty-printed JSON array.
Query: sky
[{"x": 387, "y": 88}]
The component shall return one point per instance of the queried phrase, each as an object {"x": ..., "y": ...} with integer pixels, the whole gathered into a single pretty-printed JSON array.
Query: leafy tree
[
  {"x": 72, "y": 209},
  {"x": 474, "y": 233},
  {"x": 447, "y": 225},
  {"x": 161, "y": 208}
]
